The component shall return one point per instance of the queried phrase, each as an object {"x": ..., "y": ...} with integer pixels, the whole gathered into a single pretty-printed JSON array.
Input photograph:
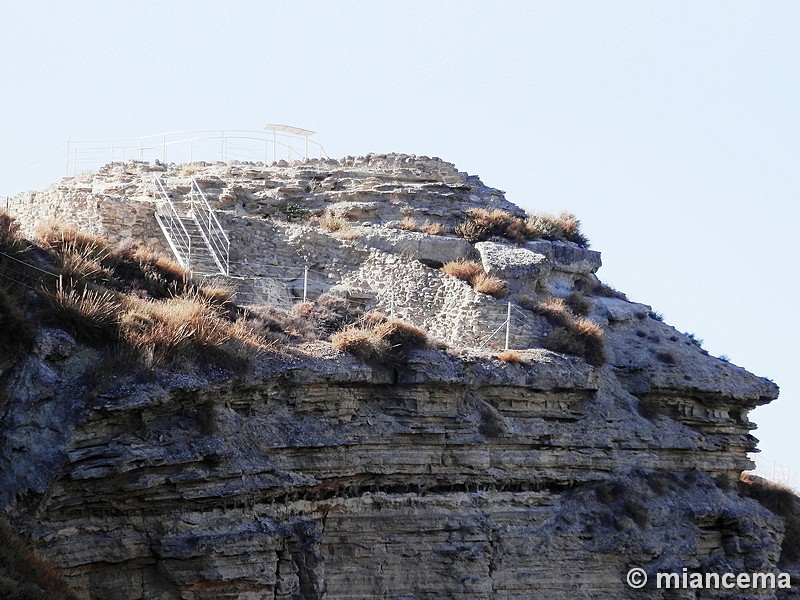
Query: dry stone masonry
[{"x": 452, "y": 475}]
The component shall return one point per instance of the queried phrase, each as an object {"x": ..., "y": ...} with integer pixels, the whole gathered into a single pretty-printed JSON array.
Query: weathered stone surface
[
  {"x": 420, "y": 246},
  {"x": 572, "y": 258},
  {"x": 509, "y": 261},
  {"x": 449, "y": 474}
]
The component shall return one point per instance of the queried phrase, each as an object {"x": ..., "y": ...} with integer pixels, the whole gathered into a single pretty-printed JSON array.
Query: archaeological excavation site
[{"x": 366, "y": 377}]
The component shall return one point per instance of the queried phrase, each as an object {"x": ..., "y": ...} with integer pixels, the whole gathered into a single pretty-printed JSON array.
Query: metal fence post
[{"x": 508, "y": 325}]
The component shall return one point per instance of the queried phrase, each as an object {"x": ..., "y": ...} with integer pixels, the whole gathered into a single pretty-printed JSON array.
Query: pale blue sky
[{"x": 670, "y": 128}]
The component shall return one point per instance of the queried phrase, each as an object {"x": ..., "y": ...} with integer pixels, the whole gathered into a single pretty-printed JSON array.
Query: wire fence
[
  {"x": 265, "y": 146},
  {"x": 27, "y": 275},
  {"x": 506, "y": 328},
  {"x": 772, "y": 470}
]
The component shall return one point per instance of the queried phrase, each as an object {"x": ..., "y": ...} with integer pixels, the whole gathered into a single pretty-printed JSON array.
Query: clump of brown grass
[
  {"x": 555, "y": 310},
  {"x": 90, "y": 315},
  {"x": 364, "y": 342},
  {"x": 579, "y": 304},
  {"x": 332, "y": 221},
  {"x": 482, "y": 224},
  {"x": 11, "y": 240},
  {"x": 784, "y": 502},
  {"x": 433, "y": 228},
  {"x": 473, "y": 273},
  {"x": 216, "y": 294},
  {"x": 347, "y": 233},
  {"x": 81, "y": 257},
  {"x": 573, "y": 335},
  {"x": 183, "y": 328},
  {"x": 590, "y": 285},
  {"x": 581, "y": 337},
  {"x": 491, "y": 285},
  {"x": 24, "y": 575},
  {"x": 409, "y": 224},
  {"x": 510, "y": 356},
  {"x": 564, "y": 227},
  {"x": 281, "y": 326},
  {"x": 465, "y": 270},
  {"x": 305, "y": 321},
  {"x": 401, "y": 335},
  {"x": 143, "y": 271},
  {"x": 377, "y": 338}
]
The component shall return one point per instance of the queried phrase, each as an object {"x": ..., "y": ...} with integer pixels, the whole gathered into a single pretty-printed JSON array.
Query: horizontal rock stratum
[{"x": 608, "y": 439}]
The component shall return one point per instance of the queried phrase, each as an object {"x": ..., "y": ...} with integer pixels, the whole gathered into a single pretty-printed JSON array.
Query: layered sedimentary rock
[{"x": 448, "y": 474}]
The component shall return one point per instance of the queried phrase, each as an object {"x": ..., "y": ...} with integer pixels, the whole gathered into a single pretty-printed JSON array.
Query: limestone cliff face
[{"x": 447, "y": 475}]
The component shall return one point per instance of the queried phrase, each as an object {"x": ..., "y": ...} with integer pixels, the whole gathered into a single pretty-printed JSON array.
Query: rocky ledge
[{"x": 455, "y": 472}]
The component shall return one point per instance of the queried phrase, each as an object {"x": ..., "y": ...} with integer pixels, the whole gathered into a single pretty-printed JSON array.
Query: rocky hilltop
[{"x": 603, "y": 439}]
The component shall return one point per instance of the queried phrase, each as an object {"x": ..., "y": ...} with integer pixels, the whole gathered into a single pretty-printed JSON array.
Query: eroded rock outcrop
[{"x": 448, "y": 474}]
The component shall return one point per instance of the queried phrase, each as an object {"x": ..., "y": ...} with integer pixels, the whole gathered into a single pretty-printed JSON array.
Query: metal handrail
[
  {"x": 170, "y": 225},
  {"x": 218, "y": 242}
]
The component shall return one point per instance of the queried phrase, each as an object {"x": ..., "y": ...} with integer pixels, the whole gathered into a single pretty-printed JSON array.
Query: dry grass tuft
[
  {"x": 409, "y": 224},
  {"x": 305, "y": 321},
  {"x": 491, "y": 285},
  {"x": 573, "y": 335},
  {"x": 347, "y": 233},
  {"x": 216, "y": 294},
  {"x": 579, "y": 304},
  {"x": 482, "y": 224},
  {"x": 401, "y": 335},
  {"x": 365, "y": 343},
  {"x": 433, "y": 228},
  {"x": 81, "y": 257},
  {"x": 581, "y": 337},
  {"x": 510, "y": 356},
  {"x": 784, "y": 502},
  {"x": 23, "y": 575},
  {"x": 564, "y": 227},
  {"x": 90, "y": 315},
  {"x": 184, "y": 327},
  {"x": 590, "y": 285},
  {"x": 465, "y": 270},
  {"x": 378, "y": 339},
  {"x": 11, "y": 240},
  {"x": 555, "y": 310},
  {"x": 332, "y": 221},
  {"x": 473, "y": 273}
]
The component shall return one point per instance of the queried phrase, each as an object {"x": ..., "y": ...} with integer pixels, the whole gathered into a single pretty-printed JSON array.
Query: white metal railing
[
  {"x": 178, "y": 238},
  {"x": 265, "y": 146},
  {"x": 219, "y": 245}
]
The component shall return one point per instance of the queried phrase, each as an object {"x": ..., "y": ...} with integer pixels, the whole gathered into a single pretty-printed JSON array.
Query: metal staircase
[{"x": 193, "y": 231}]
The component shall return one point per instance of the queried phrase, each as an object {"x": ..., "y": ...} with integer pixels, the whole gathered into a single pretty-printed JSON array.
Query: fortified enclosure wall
[{"x": 272, "y": 217}]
